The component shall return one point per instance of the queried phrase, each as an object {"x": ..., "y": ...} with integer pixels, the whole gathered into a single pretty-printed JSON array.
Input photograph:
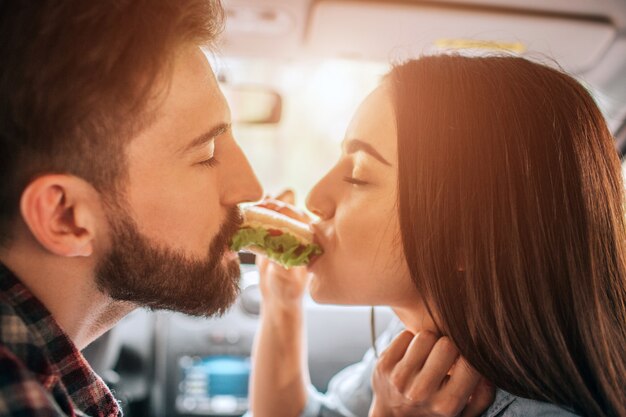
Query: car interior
[{"x": 293, "y": 72}]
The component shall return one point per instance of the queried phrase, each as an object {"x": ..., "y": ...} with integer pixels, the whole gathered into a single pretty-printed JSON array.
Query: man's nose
[{"x": 240, "y": 184}]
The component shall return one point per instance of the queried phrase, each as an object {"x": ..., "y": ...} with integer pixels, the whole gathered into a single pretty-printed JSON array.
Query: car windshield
[
  {"x": 318, "y": 101},
  {"x": 319, "y": 98}
]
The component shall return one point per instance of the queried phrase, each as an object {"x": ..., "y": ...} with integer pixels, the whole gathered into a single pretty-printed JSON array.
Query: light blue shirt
[{"x": 349, "y": 392}]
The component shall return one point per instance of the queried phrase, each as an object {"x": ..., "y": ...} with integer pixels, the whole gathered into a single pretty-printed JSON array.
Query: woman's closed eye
[
  {"x": 211, "y": 162},
  {"x": 354, "y": 181},
  {"x": 356, "y": 172}
]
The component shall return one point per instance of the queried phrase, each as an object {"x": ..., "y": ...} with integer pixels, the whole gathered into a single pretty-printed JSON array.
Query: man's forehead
[
  {"x": 192, "y": 70},
  {"x": 191, "y": 104}
]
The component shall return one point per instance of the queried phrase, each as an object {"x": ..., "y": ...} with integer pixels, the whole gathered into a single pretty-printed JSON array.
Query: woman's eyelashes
[
  {"x": 356, "y": 175},
  {"x": 354, "y": 181},
  {"x": 210, "y": 162}
]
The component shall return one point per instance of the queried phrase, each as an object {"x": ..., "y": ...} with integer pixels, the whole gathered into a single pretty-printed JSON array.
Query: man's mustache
[{"x": 234, "y": 220}]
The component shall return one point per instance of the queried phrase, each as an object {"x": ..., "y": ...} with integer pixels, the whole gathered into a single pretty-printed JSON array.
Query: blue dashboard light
[{"x": 214, "y": 384}]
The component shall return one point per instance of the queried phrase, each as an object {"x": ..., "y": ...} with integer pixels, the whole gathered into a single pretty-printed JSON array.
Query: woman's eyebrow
[{"x": 356, "y": 145}]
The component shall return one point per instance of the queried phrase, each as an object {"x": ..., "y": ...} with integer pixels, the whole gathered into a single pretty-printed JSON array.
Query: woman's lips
[
  {"x": 317, "y": 239},
  {"x": 312, "y": 261},
  {"x": 318, "y": 235}
]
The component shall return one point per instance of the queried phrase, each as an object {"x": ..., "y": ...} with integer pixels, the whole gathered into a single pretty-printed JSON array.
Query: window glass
[{"x": 319, "y": 99}]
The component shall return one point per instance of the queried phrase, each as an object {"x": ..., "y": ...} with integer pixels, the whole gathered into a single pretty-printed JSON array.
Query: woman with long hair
[{"x": 481, "y": 199}]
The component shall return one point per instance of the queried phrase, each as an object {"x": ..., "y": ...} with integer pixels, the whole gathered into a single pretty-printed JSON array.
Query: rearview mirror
[{"x": 250, "y": 104}]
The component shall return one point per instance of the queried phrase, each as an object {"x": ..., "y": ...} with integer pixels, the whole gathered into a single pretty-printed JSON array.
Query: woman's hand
[
  {"x": 284, "y": 204},
  {"x": 282, "y": 288},
  {"x": 279, "y": 372},
  {"x": 423, "y": 376}
]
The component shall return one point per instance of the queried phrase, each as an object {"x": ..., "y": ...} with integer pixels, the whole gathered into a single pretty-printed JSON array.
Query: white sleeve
[{"x": 350, "y": 391}]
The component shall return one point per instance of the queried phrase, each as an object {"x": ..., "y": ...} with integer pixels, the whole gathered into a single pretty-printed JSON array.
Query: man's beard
[{"x": 158, "y": 277}]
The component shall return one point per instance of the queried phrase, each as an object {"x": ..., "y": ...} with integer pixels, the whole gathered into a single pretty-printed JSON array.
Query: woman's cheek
[{"x": 356, "y": 236}]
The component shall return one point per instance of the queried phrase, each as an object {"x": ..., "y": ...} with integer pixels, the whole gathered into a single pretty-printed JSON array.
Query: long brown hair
[{"x": 511, "y": 206}]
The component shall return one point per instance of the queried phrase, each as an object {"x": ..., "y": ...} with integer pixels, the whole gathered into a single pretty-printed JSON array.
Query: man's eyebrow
[
  {"x": 206, "y": 137},
  {"x": 355, "y": 145}
]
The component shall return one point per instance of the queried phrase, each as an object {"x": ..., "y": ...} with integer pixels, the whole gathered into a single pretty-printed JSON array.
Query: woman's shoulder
[{"x": 509, "y": 405}]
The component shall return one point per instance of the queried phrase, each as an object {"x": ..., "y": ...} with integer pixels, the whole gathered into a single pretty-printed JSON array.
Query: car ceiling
[{"x": 585, "y": 37}]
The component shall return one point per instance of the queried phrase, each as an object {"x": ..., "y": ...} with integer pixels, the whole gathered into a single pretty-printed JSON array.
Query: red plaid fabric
[{"x": 41, "y": 371}]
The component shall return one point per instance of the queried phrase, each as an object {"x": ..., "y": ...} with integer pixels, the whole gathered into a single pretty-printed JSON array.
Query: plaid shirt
[{"x": 41, "y": 371}]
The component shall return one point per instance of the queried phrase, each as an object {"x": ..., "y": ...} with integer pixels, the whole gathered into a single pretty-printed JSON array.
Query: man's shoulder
[
  {"x": 13, "y": 367},
  {"x": 21, "y": 390},
  {"x": 17, "y": 341},
  {"x": 27, "y": 380}
]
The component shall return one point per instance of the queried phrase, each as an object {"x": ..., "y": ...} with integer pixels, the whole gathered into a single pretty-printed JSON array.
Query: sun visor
[{"x": 390, "y": 32}]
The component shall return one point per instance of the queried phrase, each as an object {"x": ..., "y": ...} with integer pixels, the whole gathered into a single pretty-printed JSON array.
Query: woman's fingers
[
  {"x": 418, "y": 350},
  {"x": 481, "y": 399},
  {"x": 463, "y": 380},
  {"x": 395, "y": 351},
  {"x": 456, "y": 389},
  {"x": 430, "y": 378},
  {"x": 285, "y": 208},
  {"x": 425, "y": 375},
  {"x": 287, "y": 195},
  {"x": 285, "y": 276},
  {"x": 414, "y": 358},
  {"x": 261, "y": 263},
  {"x": 280, "y": 285}
]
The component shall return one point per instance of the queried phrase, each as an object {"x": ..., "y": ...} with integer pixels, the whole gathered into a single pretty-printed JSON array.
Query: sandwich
[{"x": 282, "y": 239}]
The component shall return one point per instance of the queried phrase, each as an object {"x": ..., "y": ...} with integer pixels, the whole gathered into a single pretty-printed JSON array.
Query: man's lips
[{"x": 230, "y": 255}]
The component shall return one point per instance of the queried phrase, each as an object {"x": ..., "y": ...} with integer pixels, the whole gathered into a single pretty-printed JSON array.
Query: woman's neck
[{"x": 416, "y": 318}]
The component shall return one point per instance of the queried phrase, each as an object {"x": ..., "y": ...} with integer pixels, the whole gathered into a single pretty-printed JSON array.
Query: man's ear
[{"x": 60, "y": 211}]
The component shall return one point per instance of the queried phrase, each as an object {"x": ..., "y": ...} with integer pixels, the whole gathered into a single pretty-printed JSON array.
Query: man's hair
[
  {"x": 511, "y": 206},
  {"x": 76, "y": 81}
]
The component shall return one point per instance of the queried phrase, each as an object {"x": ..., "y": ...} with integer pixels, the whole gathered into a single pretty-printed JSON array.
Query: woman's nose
[{"x": 320, "y": 200}]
